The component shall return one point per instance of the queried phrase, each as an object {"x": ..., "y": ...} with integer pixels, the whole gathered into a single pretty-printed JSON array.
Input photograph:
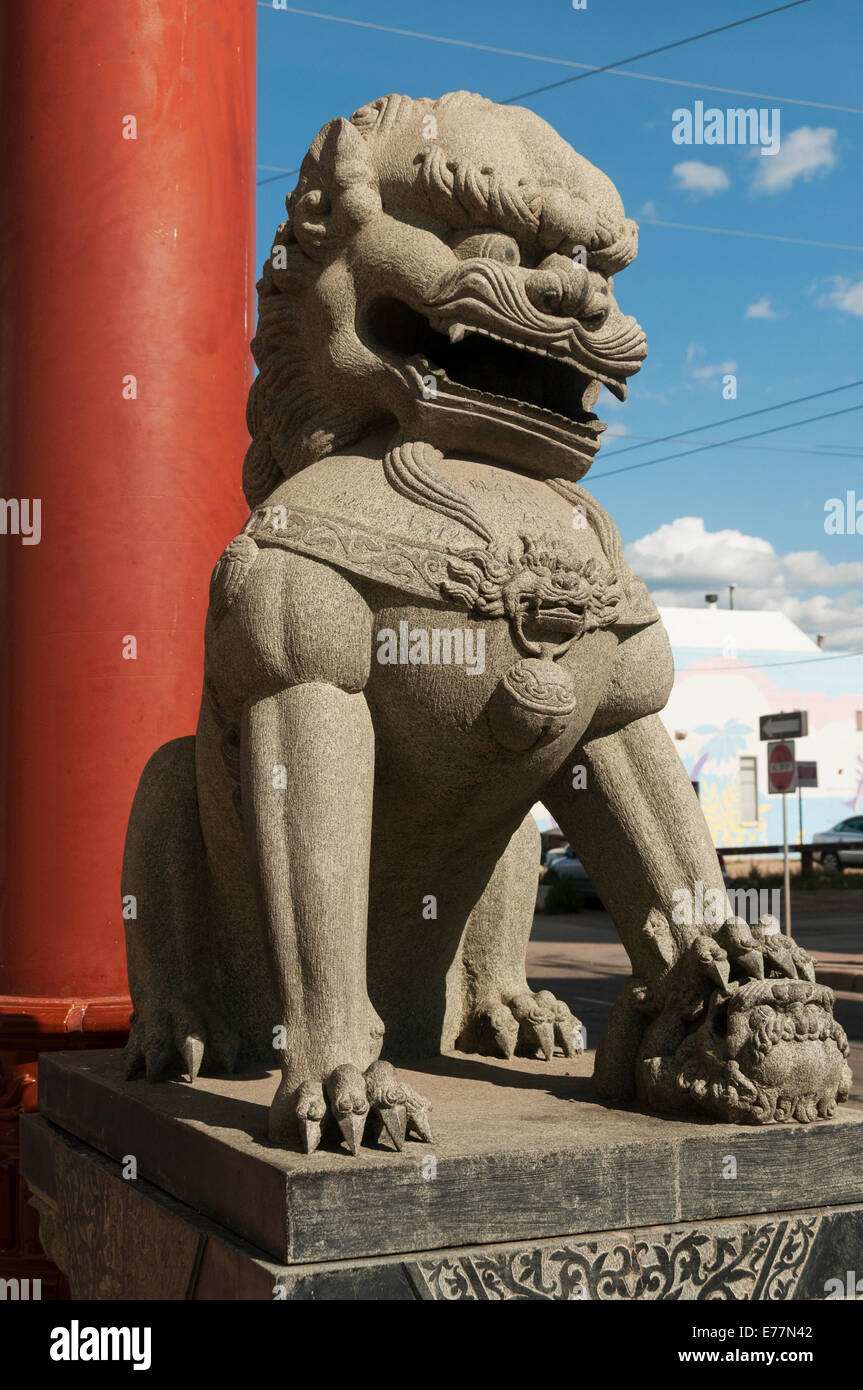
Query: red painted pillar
[{"x": 127, "y": 176}]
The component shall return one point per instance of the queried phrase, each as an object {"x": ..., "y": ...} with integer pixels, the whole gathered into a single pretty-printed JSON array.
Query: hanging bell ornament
[{"x": 531, "y": 705}]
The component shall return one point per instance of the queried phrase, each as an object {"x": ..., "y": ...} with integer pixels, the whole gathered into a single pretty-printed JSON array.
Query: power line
[
  {"x": 663, "y": 48},
  {"x": 719, "y": 444},
  {"x": 754, "y": 236},
  {"x": 747, "y": 415},
  {"x": 762, "y": 665},
  {"x": 678, "y": 226},
  {"x": 828, "y": 451},
  {"x": 564, "y": 62},
  {"x": 734, "y": 91},
  {"x": 283, "y": 174}
]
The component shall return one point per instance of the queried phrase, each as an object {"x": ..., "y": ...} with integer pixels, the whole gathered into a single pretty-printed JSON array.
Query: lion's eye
[{"x": 494, "y": 246}]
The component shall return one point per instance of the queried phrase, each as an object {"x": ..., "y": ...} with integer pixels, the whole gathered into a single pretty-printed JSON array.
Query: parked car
[
  {"x": 556, "y": 853},
  {"x": 566, "y": 864},
  {"x": 841, "y": 839}
]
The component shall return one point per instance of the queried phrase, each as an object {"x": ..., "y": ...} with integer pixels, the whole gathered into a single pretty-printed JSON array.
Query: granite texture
[
  {"x": 521, "y": 1154},
  {"x": 426, "y": 626},
  {"x": 117, "y": 1238}
]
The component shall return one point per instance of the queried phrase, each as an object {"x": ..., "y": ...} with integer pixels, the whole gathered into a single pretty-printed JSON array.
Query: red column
[{"x": 127, "y": 172}]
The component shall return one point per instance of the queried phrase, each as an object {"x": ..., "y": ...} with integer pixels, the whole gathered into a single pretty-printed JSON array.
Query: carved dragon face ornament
[
  {"x": 744, "y": 1032},
  {"x": 430, "y": 276}
]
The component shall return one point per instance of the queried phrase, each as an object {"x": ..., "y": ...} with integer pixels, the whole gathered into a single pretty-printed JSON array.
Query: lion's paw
[
  {"x": 745, "y": 1032},
  {"x": 368, "y": 1104},
  {"x": 177, "y": 1044},
  {"x": 527, "y": 1022}
]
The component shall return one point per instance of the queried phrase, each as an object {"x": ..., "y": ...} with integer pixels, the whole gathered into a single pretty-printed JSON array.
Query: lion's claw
[
  {"x": 762, "y": 950},
  {"x": 179, "y": 1044},
  {"x": 527, "y": 1022},
  {"x": 758, "y": 1041},
  {"x": 311, "y": 1113},
  {"x": 387, "y": 1096},
  {"x": 370, "y": 1104}
]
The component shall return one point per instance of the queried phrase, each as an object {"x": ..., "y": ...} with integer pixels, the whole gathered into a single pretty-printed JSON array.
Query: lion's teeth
[
  {"x": 590, "y": 395},
  {"x": 456, "y": 332}
]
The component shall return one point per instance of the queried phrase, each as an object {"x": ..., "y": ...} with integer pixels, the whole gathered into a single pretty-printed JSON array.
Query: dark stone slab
[
  {"x": 521, "y": 1152},
  {"x": 117, "y": 1238},
  {"x": 837, "y": 1253}
]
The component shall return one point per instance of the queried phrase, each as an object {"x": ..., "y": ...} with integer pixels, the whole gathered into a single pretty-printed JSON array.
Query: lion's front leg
[
  {"x": 717, "y": 1015},
  {"x": 308, "y": 776}
]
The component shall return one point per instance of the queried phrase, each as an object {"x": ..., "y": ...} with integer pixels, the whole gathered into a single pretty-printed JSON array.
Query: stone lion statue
[{"x": 425, "y": 627}]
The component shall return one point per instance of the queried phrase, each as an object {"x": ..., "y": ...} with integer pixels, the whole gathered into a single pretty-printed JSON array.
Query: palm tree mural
[
  {"x": 724, "y": 746},
  {"x": 720, "y": 795}
]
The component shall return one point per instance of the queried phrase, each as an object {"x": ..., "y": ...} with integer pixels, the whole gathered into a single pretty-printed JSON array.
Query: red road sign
[
  {"x": 781, "y": 767},
  {"x": 807, "y": 774}
]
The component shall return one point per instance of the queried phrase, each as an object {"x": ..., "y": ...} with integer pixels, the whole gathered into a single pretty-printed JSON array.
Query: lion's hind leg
[
  {"x": 500, "y": 1012},
  {"x": 181, "y": 1022}
]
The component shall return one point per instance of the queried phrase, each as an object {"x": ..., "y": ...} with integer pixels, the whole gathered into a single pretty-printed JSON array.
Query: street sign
[
  {"x": 807, "y": 775},
  {"x": 791, "y": 725},
  {"x": 782, "y": 779},
  {"x": 781, "y": 768}
]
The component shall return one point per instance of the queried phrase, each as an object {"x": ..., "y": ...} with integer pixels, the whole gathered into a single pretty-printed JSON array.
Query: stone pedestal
[{"x": 530, "y": 1190}]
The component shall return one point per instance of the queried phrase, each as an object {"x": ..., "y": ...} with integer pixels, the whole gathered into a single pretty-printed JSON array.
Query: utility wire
[
  {"x": 283, "y": 174},
  {"x": 839, "y": 452},
  {"x": 753, "y": 236},
  {"x": 747, "y": 415},
  {"x": 562, "y": 62},
  {"x": 775, "y": 429},
  {"x": 762, "y": 665},
  {"x": 683, "y": 226},
  {"x": 649, "y": 52},
  {"x": 678, "y": 226}
]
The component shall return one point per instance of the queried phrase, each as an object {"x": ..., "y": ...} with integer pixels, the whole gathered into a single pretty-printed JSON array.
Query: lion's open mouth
[{"x": 471, "y": 360}]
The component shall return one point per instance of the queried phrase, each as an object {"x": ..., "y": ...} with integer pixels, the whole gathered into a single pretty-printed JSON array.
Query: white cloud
[
  {"x": 616, "y": 431},
  {"x": 806, "y": 153},
  {"x": 840, "y": 619},
  {"x": 809, "y": 570},
  {"x": 761, "y": 309},
  {"x": 649, "y": 209},
  {"x": 702, "y": 180},
  {"x": 682, "y": 561},
  {"x": 717, "y": 369},
  {"x": 846, "y": 294},
  {"x": 684, "y": 552}
]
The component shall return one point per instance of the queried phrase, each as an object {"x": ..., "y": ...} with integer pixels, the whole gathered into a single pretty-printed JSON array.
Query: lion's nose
[
  {"x": 545, "y": 291},
  {"x": 570, "y": 293}
]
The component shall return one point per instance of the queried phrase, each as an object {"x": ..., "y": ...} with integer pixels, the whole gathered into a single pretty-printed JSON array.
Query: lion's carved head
[{"x": 446, "y": 267}]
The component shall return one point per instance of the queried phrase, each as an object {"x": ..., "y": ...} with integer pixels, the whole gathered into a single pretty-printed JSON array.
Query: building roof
[{"x": 740, "y": 629}]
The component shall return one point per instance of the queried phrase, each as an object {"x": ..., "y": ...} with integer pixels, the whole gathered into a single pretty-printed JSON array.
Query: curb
[{"x": 849, "y": 980}]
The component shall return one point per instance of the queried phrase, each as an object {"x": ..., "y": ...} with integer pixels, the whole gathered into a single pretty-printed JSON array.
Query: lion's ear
[{"x": 337, "y": 191}]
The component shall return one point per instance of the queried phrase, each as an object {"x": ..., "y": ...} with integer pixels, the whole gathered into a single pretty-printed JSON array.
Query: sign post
[
  {"x": 782, "y": 779},
  {"x": 807, "y": 776}
]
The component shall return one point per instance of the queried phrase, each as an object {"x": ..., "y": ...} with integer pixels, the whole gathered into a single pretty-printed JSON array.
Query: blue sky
[{"x": 786, "y": 319}]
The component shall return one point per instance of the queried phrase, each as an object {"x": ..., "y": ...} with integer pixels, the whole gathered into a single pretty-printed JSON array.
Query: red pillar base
[{"x": 28, "y": 1027}]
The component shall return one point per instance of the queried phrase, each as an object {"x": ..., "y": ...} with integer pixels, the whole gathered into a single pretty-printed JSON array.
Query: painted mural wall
[{"x": 716, "y": 704}]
